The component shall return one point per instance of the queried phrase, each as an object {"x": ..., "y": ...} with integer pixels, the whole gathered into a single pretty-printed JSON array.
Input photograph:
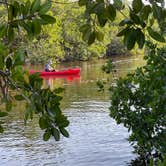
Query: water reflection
[{"x": 53, "y": 81}]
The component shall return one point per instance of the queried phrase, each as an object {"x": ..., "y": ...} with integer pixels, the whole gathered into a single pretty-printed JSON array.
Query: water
[{"x": 95, "y": 138}]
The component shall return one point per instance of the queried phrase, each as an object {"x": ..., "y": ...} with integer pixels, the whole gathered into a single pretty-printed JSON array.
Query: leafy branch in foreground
[
  {"x": 15, "y": 82},
  {"x": 132, "y": 28}
]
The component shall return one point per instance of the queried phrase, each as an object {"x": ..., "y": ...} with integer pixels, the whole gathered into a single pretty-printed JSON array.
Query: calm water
[{"x": 95, "y": 138}]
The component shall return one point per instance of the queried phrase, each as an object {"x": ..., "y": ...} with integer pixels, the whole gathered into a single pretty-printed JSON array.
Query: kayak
[{"x": 71, "y": 71}]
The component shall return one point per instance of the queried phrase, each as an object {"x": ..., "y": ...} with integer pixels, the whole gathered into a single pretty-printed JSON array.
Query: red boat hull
[{"x": 75, "y": 71}]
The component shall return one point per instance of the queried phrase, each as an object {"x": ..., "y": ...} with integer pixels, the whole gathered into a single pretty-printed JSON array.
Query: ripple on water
[{"x": 95, "y": 140}]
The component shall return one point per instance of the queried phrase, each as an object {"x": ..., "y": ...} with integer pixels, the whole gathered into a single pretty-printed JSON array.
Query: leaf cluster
[
  {"x": 141, "y": 17},
  {"x": 138, "y": 102},
  {"x": 30, "y": 17}
]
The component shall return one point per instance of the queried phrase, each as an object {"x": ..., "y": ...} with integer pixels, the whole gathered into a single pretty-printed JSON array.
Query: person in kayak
[{"x": 48, "y": 66}]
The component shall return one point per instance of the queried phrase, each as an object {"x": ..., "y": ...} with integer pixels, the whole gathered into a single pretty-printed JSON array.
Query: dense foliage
[
  {"x": 19, "y": 19},
  {"x": 137, "y": 101},
  {"x": 63, "y": 40}
]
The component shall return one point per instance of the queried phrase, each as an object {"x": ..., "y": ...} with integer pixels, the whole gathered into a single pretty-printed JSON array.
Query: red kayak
[{"x": 74, "y": 71}]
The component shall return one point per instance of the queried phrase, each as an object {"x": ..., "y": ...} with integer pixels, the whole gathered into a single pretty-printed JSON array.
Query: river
[{"x": 95, "y": 138}]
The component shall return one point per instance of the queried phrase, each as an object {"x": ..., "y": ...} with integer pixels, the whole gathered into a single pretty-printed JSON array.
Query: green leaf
[
  {"x": 48, "y": 19},
  {"x": 130, "y": 39},
  {"x": 47, "y": 135},
  {"x": 123, "y": 32},
  {"x": 27, "y": 27},
  {"x": 125, "y": 21},
  {"x": 86, "y": 34},
  {"x": 99, "y": 9},
  {"x": 137, "y": 5},
  {"x": 10, "y": 12},
  {"x": 64, "y": 132},
  {"x": 82, "y": 2},
  {"x": 45, "y": 8},
  {"x": 140, "y": 38},
  {"x": 145, "y": 12},
  {"x": 35, "y": 6},
  {"x": 155, "y": 35},
  {"x": 56, "y": 134},
  {"x": 102, "y": 21},
  {"x": 8, "y": 63},
  {"x": 16, "y": 8},
  {"x": 36, "y": 27},
  {"x": 22, "y": 10},
  {"x": 19, "y": 97},
  {"x": 111, "y": 12},
  {"x": 135, "y": 18},
  {"x": 118, "y": 4},
  {"x": 157, "y": 12},
  {"x": 27, "y": 8},
  {"x": 91, "y": 39},
  {"x": 99, "y": 35},
  {"x": 43, "y": 123}
]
